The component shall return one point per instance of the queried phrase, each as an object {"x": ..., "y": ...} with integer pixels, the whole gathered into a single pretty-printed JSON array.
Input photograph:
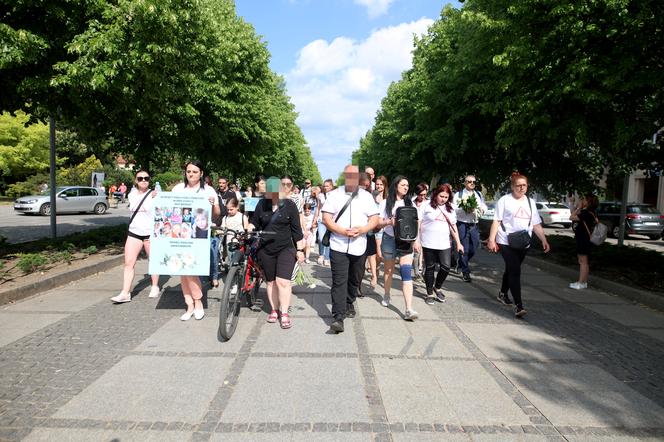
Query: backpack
[
  {"x": 405, "y": 228},
  {"x": 599, "y": 233}
]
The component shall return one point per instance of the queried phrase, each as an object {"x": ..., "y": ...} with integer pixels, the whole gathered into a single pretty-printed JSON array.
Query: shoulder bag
[
  {"x": 519, "y": 240},
  {"x": 133, "y": 215},
  {"x": 326, "y": 237}
]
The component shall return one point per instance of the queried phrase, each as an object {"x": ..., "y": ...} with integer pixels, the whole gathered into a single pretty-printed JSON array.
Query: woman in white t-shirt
[
  {"x": 397, "y": 196},
  {"x": 514, "y": 212},
  {"x": 194, "y": 182},
  {"x": 138, "y": 236},
  {"x": 437, "y": 223},
  {"x": 323, "y": 251}
]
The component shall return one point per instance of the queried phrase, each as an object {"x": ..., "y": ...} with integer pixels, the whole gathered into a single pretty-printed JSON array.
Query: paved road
[
  {"x": 18, "y": 227},
  {"x": 580, "y": 366}
]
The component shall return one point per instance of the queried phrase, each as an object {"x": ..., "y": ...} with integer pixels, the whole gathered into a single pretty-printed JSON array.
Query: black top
[
  {"x": 286, "y": 225},
  {"x": 580, "y": 232}
]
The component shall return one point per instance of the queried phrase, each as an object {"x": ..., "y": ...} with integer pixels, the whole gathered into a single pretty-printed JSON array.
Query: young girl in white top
[
  {"x": 234, "y": 220},
  {"x": 308, "y": 230}
]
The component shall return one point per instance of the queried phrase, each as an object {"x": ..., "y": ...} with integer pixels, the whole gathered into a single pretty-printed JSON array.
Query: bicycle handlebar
[{"x": 223, "y": 231}]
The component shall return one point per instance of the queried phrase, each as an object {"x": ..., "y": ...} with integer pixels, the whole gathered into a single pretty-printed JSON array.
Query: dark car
[{"x": 641, "y": 219}]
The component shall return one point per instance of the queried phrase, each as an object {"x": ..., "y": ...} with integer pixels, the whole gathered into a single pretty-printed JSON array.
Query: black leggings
[
  {"x": 431, "y": 258},
  {"x": 512, "y": 276}
]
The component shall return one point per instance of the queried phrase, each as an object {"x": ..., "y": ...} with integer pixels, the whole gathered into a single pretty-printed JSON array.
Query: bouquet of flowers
[
  {"x": 301, "y": 278},
  {"x": 469, "y": 204}
]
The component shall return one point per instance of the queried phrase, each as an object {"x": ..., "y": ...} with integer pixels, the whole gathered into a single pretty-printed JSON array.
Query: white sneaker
[
  {"x": 154, "y": 292},
  {"x": 386, "y": 301},
  {"x": 327, "y": 262},
  {"x": 122, "y": 297},
  {"x": 320, "y": 260},
  {"x": 198, "y": 314},
  {"x": 578, "y": 285},
  {"x": 187, "y": 316},
  {"x": 410, "y": 315}
]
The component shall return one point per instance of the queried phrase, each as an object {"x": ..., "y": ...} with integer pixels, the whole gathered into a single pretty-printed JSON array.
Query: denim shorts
[{"x": 388, "y": 247}]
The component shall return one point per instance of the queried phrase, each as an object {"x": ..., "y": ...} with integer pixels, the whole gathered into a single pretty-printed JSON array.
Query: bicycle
[{"x": 243, "y": 279}]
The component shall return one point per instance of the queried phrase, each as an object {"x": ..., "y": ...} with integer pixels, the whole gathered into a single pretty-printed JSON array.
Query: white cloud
[
  {"x": 375, "y": 8},
  {"x": 337, "y": 88}
]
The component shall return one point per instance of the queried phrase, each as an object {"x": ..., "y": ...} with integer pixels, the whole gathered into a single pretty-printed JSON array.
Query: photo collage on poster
[
  {"x": 180, "y": 222},
  {"x": 180, "y": 240}
]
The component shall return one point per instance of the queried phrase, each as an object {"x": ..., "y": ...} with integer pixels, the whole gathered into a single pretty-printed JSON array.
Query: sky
[{"x": 338, "y": 58}]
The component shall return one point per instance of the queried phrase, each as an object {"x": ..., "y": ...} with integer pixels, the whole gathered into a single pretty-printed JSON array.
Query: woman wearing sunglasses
[{"x": 138, "y": 236}]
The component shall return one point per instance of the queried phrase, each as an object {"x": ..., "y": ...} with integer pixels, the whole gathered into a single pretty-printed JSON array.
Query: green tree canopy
[
  {"x": 556, "y": 91},
  {"x": 154, "y": 80}
]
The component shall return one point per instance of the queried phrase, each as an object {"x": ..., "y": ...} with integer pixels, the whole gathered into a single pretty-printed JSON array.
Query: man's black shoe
[
  {"x": 466, "y": 277},
  {"x": 337, "y": 326},
  {"x": 350, "y": 311},
  {"x": 519, "y": 312},
  {"x": 503, "y": 298}
]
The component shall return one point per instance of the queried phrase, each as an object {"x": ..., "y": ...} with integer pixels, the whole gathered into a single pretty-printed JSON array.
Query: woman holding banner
[{"x": 194, "y": 182}]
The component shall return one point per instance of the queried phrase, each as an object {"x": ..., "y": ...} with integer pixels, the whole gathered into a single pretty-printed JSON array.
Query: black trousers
[
  {"x": 431, "y": 258},
  {"x": 512, "y": 275},
  {"x": 347, "y": 271}
]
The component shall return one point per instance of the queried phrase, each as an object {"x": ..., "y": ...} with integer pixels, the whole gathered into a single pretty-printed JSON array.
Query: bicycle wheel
[{"x": 230, "y": 303}]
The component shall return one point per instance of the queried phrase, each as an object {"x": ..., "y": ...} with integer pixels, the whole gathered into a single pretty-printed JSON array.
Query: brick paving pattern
[{"x": 581, "y": 365}]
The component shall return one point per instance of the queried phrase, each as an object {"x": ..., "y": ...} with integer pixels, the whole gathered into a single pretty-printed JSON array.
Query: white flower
[
  {"x": 188, "y": 260},
  {"x": 174, "y": 264}
]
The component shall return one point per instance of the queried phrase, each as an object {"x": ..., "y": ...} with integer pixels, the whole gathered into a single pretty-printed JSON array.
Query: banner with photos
[{"x": 180, "y": 240}]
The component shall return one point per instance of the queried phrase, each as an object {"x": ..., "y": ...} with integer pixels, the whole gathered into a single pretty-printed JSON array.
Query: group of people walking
[{"x": 358, "y": 226}]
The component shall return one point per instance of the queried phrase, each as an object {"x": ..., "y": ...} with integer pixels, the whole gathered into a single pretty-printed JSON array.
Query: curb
[
  {"x": 624, "y": 291},
  {"x": 48, "y": 283}
]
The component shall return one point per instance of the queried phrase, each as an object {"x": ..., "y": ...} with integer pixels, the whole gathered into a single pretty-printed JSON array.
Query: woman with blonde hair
[{"x": 514, "y": 222}]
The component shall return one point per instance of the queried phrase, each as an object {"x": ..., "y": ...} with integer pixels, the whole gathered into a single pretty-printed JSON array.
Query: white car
[
  {"x": 69, "y": 199},
  {"x": 554, "y": 213}
]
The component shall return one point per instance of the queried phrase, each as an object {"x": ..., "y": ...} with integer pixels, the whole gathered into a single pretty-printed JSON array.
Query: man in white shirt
[
  {"x": 467, "y": 226},
  {"x": 348, "y": 242}
]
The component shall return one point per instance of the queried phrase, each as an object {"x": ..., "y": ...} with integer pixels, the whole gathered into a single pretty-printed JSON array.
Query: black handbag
[
  {"x": 520, "y": 240},
  {"x": 326, "y": 238}
]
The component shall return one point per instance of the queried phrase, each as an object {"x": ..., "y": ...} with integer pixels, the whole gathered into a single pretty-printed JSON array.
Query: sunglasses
[
  {"x": 142, "y": 178},
  {"x": 470, "y": 182},
  {"x": 286, "y": 184}
]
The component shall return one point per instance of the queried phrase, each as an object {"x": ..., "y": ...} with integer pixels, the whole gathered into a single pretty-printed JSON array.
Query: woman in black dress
[{"x": 584, "y": 219}]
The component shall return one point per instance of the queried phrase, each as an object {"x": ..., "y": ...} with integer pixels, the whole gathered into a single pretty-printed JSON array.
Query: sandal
[
  {"x": 272, "y": 317},
  {"x": 285, "y": 321}
]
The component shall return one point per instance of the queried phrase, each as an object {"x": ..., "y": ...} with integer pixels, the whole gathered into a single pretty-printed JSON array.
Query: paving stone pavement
[{"x": 580, "y": 366}]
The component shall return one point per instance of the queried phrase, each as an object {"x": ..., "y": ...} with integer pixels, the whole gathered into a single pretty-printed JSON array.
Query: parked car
[
  {"x": 554, "y": 213},
  {"x": 641, "y": 219},
  {"x": 486, "y": 220},
  {"x": 69, "y": 199}
]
